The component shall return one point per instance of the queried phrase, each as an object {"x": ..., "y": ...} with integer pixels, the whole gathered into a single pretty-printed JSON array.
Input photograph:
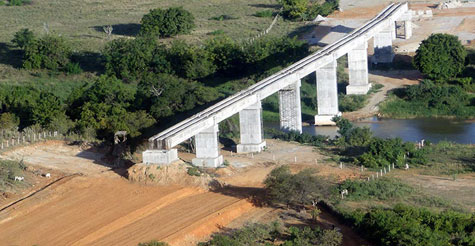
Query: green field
[{"x": 82, "y": 22}]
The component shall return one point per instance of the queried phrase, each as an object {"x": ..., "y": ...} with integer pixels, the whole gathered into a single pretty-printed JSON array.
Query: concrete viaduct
[{"x": 393, "y": 22}]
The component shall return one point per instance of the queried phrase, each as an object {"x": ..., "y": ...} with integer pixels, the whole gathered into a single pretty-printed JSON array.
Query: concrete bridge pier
[
  {"x": 207, "y": 148},
  {"x": 289, "y": 108},
  {"x": 358, "y": 70},
  {"x": 383, "y": 45},
  {"x": 250, "y": 123},
  {"x": 327, "y": 94}
]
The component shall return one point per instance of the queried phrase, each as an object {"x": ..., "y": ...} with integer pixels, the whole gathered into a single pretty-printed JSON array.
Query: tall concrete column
[
  {"x": 407, "y": 29},
  {"x": 383, "y": 42},
  {"x": 207, "y": 148},
  {"x": 327, "y": 94},
  {"x": 358, "y": 70},
  {"x": 250, "y": 123},
  {"x": 289, "y": 108}
]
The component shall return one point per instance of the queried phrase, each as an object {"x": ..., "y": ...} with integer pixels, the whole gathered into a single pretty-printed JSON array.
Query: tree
[
  {"x": 163, "y": 95},
  {"x": 167, "y": 22},
  {"x": 50, "y": 52},
  {"x": 23, "y": 37},
  {"x": 190, "y": 61},
  {"x": 440, "y": 57},
  {"x": 46, "y": 109},
  {"x": 294, "y": 9},
  {"x": 129, "y": 59},
  {"x": 9, "y": 121}
]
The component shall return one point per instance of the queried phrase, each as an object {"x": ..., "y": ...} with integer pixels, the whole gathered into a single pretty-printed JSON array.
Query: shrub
[
  {"x": 295, "y": 189},
  {"x": 8, "y": 171},
  {"x": 153, "y": 243},
  {"x": 348, "y": 103},
  {"x": 405, "y": 225},
  {"x": 9, "y": 121},
  {"x": 380, "y": 189},
  {"x": 225, "y": 53},
  {"x": 441, "y": 56},
  {"x": 130, "y": 59},
  {"x": 190, "y": 61},
  {"x": 222, "y": 18},
  {"x": 167, "y": 22},
  {"x": 193, "y": 171},
  {"x": 46, "y": 109},
  {"x": 294, "y": 9},
  {"x": 23, "y": 37},
  {"x": 18, "y": 2},
  {"x": 264, "y": 13},
  {"x": 73, "y": 68},
  {"x": 50, "y": 52},
  {"x": 163, "y": 95}
]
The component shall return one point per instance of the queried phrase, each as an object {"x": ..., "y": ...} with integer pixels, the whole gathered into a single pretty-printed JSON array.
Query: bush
[
  {"x": 153, "y": 243},
  {"x": 380, "y": 189},
  {"x": 298, "y": 189},
  {"x": 222, "y": 18},
  {"x": 349, "y": 103},
  {"x": 324, "y": 9},
  {"x": 9, "y": 121},
  {"x": 167, "y": 22},
  {"x": 440, "y": 57},
  {"x": 163, "y": 95},
  {"x": 23, "y": 37},
  {"x": 73, "y": 68},
  {"x": 405, "y": 225},
  {"x": 190, "y": 61},
  {"x": 294, "y": 9},
  {"x": 49, "y": 52},
  {"x": 18, "y": 2},
  {"x": 130, "y": 59},
  {"x": 8, "y": 171},
  {"x": 264, "y": 13}
]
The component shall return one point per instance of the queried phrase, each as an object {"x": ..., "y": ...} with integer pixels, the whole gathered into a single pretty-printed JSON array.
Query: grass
[
  {"x": 81, "y": 22},
  {"x": 8, "y": 171},
  {"x": 447, "y": 158}
]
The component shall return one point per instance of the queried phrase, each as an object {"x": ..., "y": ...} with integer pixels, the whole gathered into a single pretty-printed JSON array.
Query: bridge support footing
[
  {"x": 160, "y": 157},
  {"x": 207, "y": 148},
  {"x": 325, "y": 120},
  {"x": 358, "y": 89},
  {"x": 248, "y": 148}
]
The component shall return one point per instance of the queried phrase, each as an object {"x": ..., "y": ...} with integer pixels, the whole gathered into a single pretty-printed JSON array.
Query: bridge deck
[{"x": 226, "y": 108}]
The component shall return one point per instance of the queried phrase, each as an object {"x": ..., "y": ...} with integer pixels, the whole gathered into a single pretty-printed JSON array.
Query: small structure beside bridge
[{"x": 393, "y": 22}]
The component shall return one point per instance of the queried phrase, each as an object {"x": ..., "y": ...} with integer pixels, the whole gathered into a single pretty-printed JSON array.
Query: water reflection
[{"x": 413, "y": 130}]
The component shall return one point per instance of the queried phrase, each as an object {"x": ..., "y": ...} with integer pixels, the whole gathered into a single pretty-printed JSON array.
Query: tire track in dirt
[{"x": 136, "y": 215}]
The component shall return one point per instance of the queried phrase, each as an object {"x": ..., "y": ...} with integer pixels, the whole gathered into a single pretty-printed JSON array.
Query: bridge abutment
[
  {"x": 358, "y": 70},
  {"x": 207, "y": 148},
  {"x": 289, "y": 108},
  {"x": 160, "y": 157},
  {"x": 250, "y": 124},
  {"x": 327, "y": 94}
]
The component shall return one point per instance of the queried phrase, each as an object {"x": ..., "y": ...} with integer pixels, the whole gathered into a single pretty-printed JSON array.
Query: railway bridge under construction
[{"x": 391, "y": 23}]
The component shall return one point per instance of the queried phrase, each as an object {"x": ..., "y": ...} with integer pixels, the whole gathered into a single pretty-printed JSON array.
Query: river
[{"x": 413, "y": 130}]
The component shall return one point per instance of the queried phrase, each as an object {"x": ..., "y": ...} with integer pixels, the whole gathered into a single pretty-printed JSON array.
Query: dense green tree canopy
[
  {"x": 50, "y": 52},
  {"x": 167, "y": 22},
  {"x": 441, "y": 56}
]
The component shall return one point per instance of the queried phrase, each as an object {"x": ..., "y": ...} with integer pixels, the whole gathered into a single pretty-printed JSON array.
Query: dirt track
[
  {"x": 102, "y": 208},
  {"x": 111, "y": 211}
]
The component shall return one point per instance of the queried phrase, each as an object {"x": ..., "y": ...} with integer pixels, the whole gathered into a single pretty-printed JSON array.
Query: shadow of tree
[
  {"x": 10, "y": 56},
  {"x": 89, "y": 61},
  {"x": 263, "y": 5},
  {"x": 129, "y": 29}
]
